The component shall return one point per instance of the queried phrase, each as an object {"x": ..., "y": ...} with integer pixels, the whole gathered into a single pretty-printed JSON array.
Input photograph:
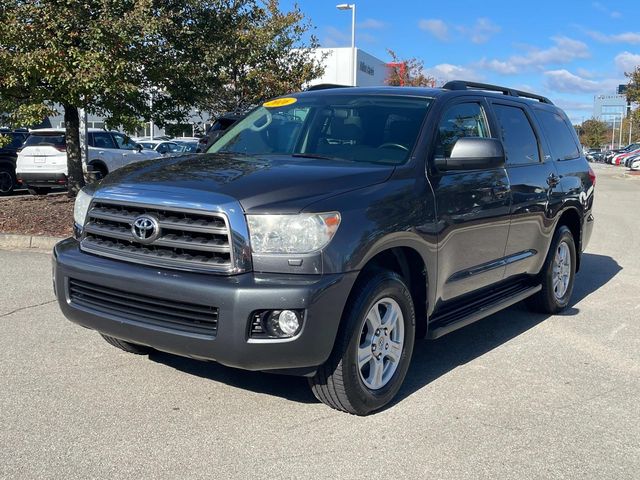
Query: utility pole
[{"x": 620, "y": 133}]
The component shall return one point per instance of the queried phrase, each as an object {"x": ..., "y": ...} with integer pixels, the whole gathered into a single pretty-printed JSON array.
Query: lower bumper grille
[{"x": 179, "y": 316}]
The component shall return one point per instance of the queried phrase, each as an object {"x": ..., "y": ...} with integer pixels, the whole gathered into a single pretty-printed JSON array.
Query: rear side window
[
  {"x": 462, "y": 120},
  {"x": 44, "y": 139},
  {"x": 561, "y": 140},
  {"x": 102, "y": 140},
  {"x": 520, "y": 142}
]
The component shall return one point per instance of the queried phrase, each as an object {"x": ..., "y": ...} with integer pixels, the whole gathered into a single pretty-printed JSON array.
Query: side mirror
[
  {"x": 473, "y": 153},
  {"x": 139, "y": 147}
]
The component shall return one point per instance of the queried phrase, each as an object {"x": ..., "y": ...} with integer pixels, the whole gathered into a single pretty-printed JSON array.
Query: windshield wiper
[{"x": 319, "y": 157}]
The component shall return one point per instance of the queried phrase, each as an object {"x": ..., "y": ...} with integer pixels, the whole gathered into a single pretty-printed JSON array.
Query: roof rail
[
  {"x": 325, "y": 86},
  {"x": 464, "y": 85}
]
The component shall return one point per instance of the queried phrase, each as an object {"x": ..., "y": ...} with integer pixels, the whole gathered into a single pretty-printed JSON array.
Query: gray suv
[{"x": 327, "y": 230}]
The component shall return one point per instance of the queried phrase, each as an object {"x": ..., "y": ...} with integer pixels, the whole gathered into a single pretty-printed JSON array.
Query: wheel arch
[
  {"x": 407, "y": 262},
  {"x": 98, "y": 162},
  {"x": 572, "y": 219}
]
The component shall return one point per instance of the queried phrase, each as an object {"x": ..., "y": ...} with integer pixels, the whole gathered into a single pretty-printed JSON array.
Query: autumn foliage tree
[
  {"x": 593, "y": 133},
  {"x": 407, "y": 72},
  {"x": 112, "y": 57}
]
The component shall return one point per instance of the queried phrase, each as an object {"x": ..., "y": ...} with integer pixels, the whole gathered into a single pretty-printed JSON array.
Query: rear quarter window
[{"x": 559, "y": 135}]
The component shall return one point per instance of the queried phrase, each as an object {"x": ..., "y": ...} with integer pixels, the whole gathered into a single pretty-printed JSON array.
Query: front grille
[
  {"x": 187, "y": 240},
  {"x": 179, "y": 316}
]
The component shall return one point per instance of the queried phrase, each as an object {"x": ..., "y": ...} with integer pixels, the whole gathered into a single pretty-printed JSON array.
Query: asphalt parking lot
[{"x": 517, "y": 395}]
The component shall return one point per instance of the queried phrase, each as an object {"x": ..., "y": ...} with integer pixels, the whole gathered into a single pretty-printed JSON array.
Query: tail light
[
  {"x": 592, "y": 176},
  {"x": 60, "y": 148}
]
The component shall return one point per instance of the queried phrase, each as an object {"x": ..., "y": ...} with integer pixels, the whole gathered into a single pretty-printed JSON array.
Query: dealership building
[
  {"x": 611, "y": 108},
  {"x": 370, "y": 71}
]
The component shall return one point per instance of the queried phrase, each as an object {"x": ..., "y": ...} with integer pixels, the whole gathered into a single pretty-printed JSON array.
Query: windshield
[{"x": 361, "y": 128}]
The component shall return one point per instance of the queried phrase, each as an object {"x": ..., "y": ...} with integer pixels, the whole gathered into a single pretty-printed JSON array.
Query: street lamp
[{"x": 352, "y": 7}]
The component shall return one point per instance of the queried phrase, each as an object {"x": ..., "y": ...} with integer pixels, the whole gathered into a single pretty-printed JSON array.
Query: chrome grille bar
[{"x": 188, "y": 239}]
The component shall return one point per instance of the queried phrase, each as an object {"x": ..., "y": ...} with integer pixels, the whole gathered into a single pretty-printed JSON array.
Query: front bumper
[{"x": 323, "y": 298}]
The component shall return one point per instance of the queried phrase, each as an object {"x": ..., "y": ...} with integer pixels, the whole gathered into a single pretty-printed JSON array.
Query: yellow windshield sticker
[{"x": 280, "y": 102}]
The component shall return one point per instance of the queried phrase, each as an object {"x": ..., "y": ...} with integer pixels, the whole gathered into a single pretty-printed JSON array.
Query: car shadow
[{"x": 431, "y": 359}]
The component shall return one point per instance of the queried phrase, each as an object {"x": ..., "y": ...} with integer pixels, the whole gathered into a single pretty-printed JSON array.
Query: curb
[{"x": 35, "y": 242}]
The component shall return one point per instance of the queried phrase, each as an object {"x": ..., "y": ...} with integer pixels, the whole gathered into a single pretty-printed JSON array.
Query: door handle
[
  {"x": 500, "y": 191},
  {"x": 553, "y": 180}
]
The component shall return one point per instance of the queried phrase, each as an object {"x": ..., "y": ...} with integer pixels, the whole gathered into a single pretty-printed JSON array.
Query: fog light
[
  {"x": 288, "y": 322},
  {"x": 276, "y": 323}
]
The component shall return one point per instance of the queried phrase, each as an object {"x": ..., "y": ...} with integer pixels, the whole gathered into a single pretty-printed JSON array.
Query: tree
[
  {"x": 407, "y": 73},
  {"x": 267, "y": 58},
  {"x": 593, "y": 133},
  {"x": 633, "y": 87},
  {"x": 133, "y": 60}
]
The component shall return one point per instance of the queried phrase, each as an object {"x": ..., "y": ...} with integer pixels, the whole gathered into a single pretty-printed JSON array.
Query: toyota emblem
[{"x": 145, "y": 229}]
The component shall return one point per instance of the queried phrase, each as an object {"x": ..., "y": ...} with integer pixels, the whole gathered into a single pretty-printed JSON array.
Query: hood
[{"x": 276, "y": 183}]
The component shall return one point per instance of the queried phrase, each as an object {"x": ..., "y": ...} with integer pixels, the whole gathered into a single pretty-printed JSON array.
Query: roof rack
[
  {"x": 464, "y": 85},
  {"x": 325, "y": 86}
]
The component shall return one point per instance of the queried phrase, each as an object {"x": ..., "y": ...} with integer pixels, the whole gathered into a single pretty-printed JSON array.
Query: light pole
[
  {"x": 352, "y": 7},
  {"x": 613, "y": 132},
  {"x": 620, "y": 133}
]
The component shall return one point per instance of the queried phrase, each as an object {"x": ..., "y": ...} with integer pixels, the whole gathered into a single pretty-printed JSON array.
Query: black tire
[
  {"x": 7, "y": 180},
  {"x": 546, "y": 300},
  {"x": 100, "y": 171},
  {"x": 127, "y": 346},
  {"x": 338, "y": 383},
  {"x": 39, "y": 190}
]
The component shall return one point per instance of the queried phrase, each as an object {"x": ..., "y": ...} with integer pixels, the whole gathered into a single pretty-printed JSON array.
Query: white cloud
[
  {"x": 481, "y": 31},
  {"x": 564, "y": 51},
  {"x": 564, "y": 81},
  {"x": 372, "y": 24},
  {"x": 565, "y": 104},
  {"x": 625, "y": 37},
  {"x": 435, "y": 27},
  {"x": 603, "y": 9},
  {"x": 444, "y": 72},
  {"x": 627, "y": 61}
]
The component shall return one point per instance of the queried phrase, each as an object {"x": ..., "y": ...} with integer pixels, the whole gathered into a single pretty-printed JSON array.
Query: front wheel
[
  {"x": 558, "y": 274},
  {"x": 373, "y": 349}
]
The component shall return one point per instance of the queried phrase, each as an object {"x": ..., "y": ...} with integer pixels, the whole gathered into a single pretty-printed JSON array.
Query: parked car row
[
  {"x": 42, "y": 159},
  {"x": 37, "y": 159},
  {"x": 628, "y": 156}
]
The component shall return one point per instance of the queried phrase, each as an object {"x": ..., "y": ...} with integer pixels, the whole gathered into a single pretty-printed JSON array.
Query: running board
[{"x": 458, "y": 318}]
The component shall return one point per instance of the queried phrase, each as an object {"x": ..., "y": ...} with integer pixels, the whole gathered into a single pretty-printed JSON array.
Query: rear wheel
[
  {"x": 39, "y": 190},
  {"x": 127, "y": 346},
  {"x": 7, "y": 180},
  {"x": 373, "y": 349},
  {"x": 558, "y": 274}
]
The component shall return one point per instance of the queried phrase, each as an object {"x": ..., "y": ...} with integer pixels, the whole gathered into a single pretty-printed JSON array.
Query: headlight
[
  {"x": 80, "y": 208},
  {"x": 302, "y": 233}
]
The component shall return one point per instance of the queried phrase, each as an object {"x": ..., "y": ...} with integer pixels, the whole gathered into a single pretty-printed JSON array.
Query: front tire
[
  {"x": 373, "y": 348},
  {"x": 127, "y": 346},
  {"x": 558, "y": 274}
]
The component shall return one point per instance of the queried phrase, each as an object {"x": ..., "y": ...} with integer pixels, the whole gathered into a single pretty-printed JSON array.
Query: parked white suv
[{"x": 42, "y": 161}]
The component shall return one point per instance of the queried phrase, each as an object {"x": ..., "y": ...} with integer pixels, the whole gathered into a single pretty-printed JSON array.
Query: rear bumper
[
  {"x": 323, "y": 298},
  {"x": 42, "y": 179}
]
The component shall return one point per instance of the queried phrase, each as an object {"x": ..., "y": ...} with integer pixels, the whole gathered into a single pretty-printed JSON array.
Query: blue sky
[{"x": 568, "y": 50}]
